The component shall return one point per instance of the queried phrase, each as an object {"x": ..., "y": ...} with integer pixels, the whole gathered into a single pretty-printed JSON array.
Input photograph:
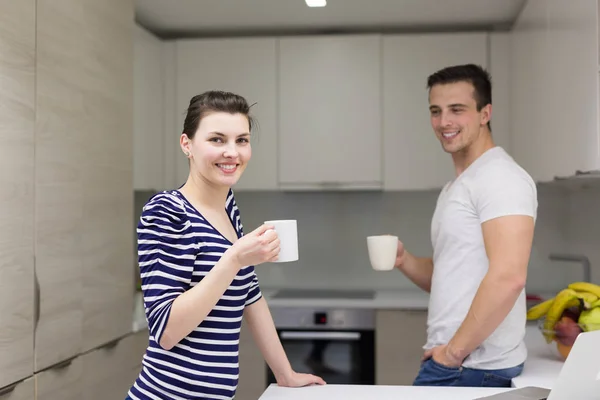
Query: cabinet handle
[
  {"x": 36, "y": 299},
  {"x": 9, "y": 388},
  {"x": 111, "y": 344},
  {"x": 62, "y": 364}
]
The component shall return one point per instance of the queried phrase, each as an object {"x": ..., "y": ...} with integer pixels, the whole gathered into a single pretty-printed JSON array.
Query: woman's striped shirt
[{"x": 177, "y": 247}]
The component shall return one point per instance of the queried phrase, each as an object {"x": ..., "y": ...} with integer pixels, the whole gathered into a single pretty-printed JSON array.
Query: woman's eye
[
  {"x": 243, "y": 140},
  {"x": 216, "y": 139}
]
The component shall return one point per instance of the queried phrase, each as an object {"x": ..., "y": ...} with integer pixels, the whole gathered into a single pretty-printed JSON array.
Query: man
[{"x": 482, "y": 232}]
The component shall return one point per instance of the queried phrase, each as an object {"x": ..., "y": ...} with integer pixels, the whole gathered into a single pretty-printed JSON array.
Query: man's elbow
[{"x": 513, "y": 282}]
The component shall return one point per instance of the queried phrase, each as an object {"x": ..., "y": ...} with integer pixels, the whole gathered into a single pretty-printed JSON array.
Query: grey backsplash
[{"x": 333, "y": 226}]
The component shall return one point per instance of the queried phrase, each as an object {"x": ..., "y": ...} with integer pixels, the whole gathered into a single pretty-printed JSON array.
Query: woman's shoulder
[{"x": 167, "y": 205}]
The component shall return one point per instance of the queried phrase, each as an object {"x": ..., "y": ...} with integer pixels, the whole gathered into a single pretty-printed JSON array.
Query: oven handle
[{"x": 316, "y": 335}]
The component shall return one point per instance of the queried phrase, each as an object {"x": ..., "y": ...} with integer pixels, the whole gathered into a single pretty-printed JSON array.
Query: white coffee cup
[
  {"x": 382, "y": 251},
  {"x": 287, "y": 231}
]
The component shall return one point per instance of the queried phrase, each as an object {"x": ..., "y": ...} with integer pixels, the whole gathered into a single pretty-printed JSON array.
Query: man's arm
[
  {"x": 418, "y": 269},
  {"x": 508, "y": 242},
  {"x": 265, "y": 335}
]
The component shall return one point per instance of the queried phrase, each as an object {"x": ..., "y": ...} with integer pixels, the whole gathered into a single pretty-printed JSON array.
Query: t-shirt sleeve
[
  {"x": 254, "y": 293},
  {"x": 504, "y": 189},
  {"x": 166, "y": 255}
]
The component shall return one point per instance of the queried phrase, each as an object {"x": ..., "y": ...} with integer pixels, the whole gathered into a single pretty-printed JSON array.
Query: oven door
[{"x": 337, "y": 356}]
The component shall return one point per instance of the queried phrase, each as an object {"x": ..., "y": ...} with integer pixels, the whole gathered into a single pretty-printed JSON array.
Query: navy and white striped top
[{"x": 177, "y": 247}]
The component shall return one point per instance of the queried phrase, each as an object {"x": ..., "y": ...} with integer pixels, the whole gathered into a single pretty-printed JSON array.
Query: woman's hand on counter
[{"x": 296, "y": 379}]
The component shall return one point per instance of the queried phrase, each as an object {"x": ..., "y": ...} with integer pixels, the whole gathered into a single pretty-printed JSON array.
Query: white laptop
[{"x": 579, "y": 378}]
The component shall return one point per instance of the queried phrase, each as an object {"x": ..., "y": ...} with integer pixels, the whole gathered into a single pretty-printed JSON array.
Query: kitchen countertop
[
  {"x": 409, "y": 299},
  {"x": 380, "y": 392},
  {"x": 541, "y": 369}
]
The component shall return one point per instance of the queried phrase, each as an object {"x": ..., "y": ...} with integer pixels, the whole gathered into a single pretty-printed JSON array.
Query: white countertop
[
  {"x": 381, "y": 392},
  {"x": 541, "y": 369},
  {"x": 542, "y": 366},
  {"x": 384, "y": 299}
]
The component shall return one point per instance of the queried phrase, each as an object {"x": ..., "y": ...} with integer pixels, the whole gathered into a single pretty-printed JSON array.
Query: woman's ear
[{"x": 186, "y": 145}]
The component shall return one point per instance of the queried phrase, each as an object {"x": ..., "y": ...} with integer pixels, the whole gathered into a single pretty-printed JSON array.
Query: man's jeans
[{"x": 433, "y": 373}]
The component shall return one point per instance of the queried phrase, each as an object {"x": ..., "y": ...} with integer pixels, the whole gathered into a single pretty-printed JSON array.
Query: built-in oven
[{"x": 335, "y": 343}]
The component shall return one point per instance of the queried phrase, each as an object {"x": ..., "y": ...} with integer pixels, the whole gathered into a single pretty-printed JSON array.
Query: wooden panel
[
  {"x": 61, "y": 135},
  {"x": 253, "y": 368},
  {"x": 63, "y": 382},
  {"x": 24, "y": 390},
  {"x": 109, "y": 372},
  {"x": 107, "y": 242},
  {"x": 17, "y": 79},
  {"x": 400, "y": 336}
]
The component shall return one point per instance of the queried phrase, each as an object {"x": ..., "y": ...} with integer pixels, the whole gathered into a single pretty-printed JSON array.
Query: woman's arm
[{"x": 265, "y": 335}]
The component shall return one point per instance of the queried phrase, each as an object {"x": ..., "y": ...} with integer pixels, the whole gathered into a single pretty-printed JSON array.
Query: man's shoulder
[{"x": 501, "y": 169}]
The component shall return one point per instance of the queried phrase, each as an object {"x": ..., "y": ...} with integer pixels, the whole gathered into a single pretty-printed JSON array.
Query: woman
[{"x": 197, "y": 267}]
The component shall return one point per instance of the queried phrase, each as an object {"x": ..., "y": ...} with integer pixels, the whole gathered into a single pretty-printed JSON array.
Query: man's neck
[{"x": 464, "y": 158}]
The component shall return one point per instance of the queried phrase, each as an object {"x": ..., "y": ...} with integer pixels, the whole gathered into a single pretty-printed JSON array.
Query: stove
[{"x": 324, "y": 294}]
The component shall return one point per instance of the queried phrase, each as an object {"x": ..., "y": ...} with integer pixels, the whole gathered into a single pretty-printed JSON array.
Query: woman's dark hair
[{"x": 214, "y": 101}]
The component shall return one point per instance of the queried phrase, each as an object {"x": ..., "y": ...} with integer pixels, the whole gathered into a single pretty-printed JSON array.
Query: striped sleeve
[
  {"x": 254, "y": 293},
  {"x": 166, "y": 253}
]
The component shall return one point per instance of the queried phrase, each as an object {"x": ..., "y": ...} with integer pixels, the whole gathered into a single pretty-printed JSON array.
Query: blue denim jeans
[{"x": 433, "y": 373}]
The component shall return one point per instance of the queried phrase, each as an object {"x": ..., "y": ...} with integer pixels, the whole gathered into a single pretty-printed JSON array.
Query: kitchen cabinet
[
  {"x": 413, "y": 157},
  {"x": 399, "y": 339},
  {"x": 330, "y": 112},
  {"x": 245, "y": 66},
  {"x": 109, "y": 371},
  {"x": 148, "y": 112},
  {"x": 63, "y": 381},
  {"x": 554, "y": 92},
  {"x": 83, "y": 196},
  {"x": 253, "y": 367},
  {"x": 17, "y": 71},
  {"x": 107, "y": 174},
  {"x": 23, "y": 390}
]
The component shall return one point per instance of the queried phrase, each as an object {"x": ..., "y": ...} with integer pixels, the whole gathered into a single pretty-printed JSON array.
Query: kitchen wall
[{"x": 332, "y": 228}]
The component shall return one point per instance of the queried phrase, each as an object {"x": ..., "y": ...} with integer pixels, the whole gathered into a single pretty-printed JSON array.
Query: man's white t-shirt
[{"x": 493, "y": 186}]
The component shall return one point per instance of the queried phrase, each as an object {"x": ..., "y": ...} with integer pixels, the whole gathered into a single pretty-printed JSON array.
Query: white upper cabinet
[
  {"x": 413, "y": 156},
  {"x": 330, "y": 112},
  {"x": 245, "y": 66},
  {"x": 554, "y": 93}
]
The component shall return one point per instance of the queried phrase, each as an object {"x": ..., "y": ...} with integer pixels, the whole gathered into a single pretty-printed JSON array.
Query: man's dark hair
[{"x": 474, "y": 74}]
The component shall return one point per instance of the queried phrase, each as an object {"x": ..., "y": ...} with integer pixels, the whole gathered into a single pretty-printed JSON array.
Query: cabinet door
[
  {"x": 107, "y": 246},
  {"x": 24, "y": 390},
  {"x": 572, "y": 143},
  {"x": 244, "y": 66},
  {"x": 399, "y": 337},
  {"x": 413, "y": 157},
  {"x": 60, "y": 153},
  {"x": 554, "y": 93},
  {"x": 108, "y": 372},
  {"x": 330, "y": 111},
  {"x": 17, "y": 69},
  {"x": 61, "y": 382},
  {"x": 149, "y": 110}
]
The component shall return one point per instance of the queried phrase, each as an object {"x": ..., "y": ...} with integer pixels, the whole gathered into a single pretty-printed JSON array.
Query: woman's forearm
[
  {"x": 265, "y": 335},
  {"x": 191, "y": 308}
]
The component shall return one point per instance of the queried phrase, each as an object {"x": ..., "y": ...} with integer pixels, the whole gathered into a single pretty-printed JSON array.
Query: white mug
[
  {"x": 287, "y": 231},
  {"x": 382, "y": 251}
]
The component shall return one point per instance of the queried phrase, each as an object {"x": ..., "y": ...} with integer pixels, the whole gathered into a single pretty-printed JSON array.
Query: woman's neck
[{"x": 198, "y": 190}]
